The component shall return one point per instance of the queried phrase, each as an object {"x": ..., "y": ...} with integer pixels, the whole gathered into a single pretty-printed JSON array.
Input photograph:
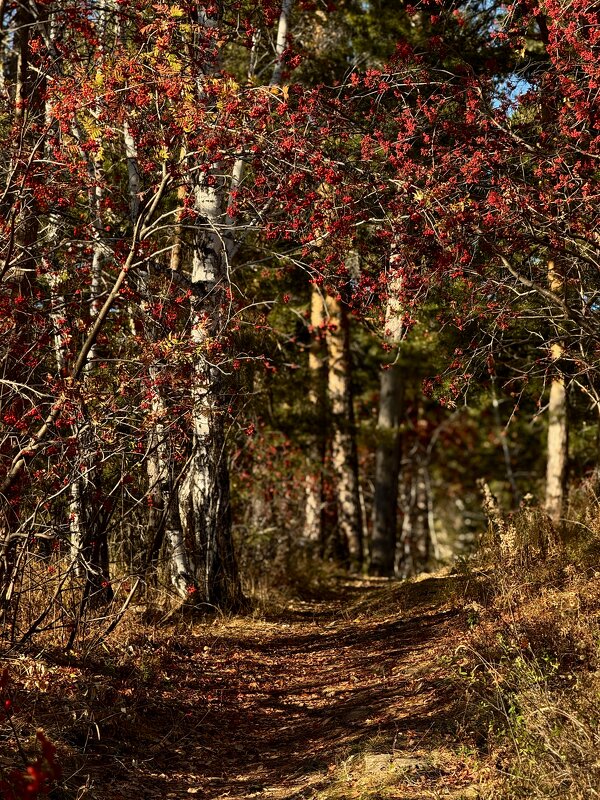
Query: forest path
[{"x": 344, "y": 698}]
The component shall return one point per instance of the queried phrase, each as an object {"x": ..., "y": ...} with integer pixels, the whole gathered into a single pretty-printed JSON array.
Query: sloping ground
[{"x": 340, "y": 699}]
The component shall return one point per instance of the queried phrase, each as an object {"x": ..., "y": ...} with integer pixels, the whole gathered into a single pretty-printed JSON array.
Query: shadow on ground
[{"x": 263, "y": 709}]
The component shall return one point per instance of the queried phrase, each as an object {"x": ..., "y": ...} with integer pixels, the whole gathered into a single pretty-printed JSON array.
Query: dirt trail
[{"x": 320, "y": 704}]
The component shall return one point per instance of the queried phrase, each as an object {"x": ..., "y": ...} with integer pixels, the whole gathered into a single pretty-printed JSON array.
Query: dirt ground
[{"x": 347, "y": 697}]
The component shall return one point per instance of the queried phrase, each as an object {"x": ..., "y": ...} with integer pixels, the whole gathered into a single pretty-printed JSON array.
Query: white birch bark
[
  {"x": 204, "y": 503},
  {"x": 89, "y": 548},
  {"x": 81, "y": 487},
  {"x": 164, "y": 509},
  {"x": 204, "y": 495},
  {"x": 557, "y": 447},
  {"x": 558, "y": 431},
  {"x": 281, "y": 41},
  {"x": 134, "y": 180}
]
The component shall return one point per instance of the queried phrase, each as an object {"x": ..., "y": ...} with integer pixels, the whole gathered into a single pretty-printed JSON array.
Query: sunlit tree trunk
[
  {"x": 163, "y": 521},
  {"x": 558, "y": 431},
  {"x": 281, "y": 41},
  {"x": 343, "y": 446},
  {"x": 175, "y": 259},
  {"x": 204, "y": 495},
  {"x": 387, "y": 458},
  {"x": 557, "y": 447},
  {"x": 313, "y": 518},
  {"x": 164, "y": 526}
]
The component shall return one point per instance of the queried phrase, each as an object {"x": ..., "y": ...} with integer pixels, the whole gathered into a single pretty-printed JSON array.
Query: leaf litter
[{"x": 324, "y": 700}]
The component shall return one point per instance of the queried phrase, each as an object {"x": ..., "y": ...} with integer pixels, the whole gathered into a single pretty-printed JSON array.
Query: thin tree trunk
[
  {"x": 88, "y": 536},
  {"x": 389, "y": 446},
  {"x": 134, "y": 180},
  {"x": 558, "y": 432},
  {"x": 415, "y": 541},
  {"x": 387, "y": 469},
  {"x": 344, "y": 449},
  {"x": 313, "y": 518},
  {"x": 281, "y": 41},
  {"x": 557, "y": 449},
  {"x": 558, "y": 438},
  {"x": 177, "y": 248},
  {"x": 89, "y": 545},
  {"x": 80, "y": 514}
]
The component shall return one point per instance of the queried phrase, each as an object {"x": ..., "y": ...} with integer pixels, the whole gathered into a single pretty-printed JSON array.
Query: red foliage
[
  {"x": 459, "y": 187},
  {"x": 36, "y": 779}
]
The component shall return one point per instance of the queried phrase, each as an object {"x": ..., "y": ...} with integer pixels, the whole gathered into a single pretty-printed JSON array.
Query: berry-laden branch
[{"x": 35, "y": 778}]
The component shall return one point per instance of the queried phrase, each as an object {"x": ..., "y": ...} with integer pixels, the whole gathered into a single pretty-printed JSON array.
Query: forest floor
[{"x": 330, "y": 699}]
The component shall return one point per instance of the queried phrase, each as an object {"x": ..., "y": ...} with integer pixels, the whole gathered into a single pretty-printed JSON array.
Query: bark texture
[
  {"x": 387, "y": 469},
  {"x": 204, "y": 503},
  {"x": 344, "y": 450},
  {"x": 313, "y": 519},
  {"x": 557, "y": 450},
  {"x": 558, "y": 431},
  {"x": 389, "y": 446}
]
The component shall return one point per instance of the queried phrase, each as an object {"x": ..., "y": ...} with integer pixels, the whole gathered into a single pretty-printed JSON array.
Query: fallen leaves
[{"x": 247, "y": 708}]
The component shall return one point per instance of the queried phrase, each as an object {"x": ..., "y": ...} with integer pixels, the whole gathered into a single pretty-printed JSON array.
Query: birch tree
[
  {"x": 558, "y": 430},
  {"x": 204, "y": 496},
  {"x": 388, "y": 453}
]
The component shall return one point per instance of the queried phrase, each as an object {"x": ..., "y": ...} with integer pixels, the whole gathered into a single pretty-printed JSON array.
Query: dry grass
[
  {"x": 328, "y": 700},
  {"x": 530, "y": 661},
  {"x": 497, "y": 701}
]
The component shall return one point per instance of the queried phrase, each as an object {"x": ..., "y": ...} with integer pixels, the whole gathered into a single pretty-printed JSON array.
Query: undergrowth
[
  {"x": 529, "y": 665},
  {"x": 524, "y": 691}
]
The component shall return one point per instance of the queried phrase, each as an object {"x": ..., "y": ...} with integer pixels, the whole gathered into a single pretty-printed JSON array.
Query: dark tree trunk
[{"x": 387, "y": 470}]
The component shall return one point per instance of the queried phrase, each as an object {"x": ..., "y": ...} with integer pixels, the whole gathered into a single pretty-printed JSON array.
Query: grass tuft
[{"x": 529, "y": 665}]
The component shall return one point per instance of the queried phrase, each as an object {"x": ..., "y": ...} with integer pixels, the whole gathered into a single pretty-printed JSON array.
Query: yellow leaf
[{"x": 280, "y": 90}]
